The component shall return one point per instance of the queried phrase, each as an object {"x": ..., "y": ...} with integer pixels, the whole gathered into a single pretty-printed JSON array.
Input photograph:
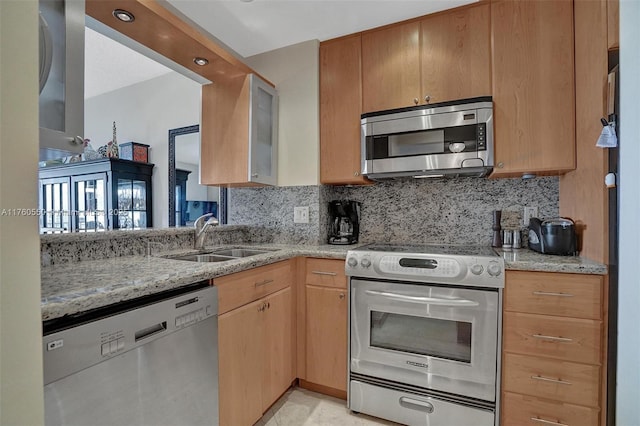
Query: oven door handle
[{"x": 422, "y": 299}]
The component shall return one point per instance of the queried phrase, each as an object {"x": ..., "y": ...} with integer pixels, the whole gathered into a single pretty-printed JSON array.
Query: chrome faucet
[{"x": 202, "y": 224}]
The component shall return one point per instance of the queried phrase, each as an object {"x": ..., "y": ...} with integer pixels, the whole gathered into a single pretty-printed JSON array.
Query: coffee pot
[{"x": 344, "y": 222}]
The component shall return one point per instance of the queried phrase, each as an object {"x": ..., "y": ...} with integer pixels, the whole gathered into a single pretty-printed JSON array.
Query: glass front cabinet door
[{"x": 94, "y": 196}]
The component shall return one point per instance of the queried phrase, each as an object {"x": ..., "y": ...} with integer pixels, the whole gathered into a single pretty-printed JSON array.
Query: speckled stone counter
[
  {"x": 529, "y": 260},
  {"x": 70, "y": 288}
]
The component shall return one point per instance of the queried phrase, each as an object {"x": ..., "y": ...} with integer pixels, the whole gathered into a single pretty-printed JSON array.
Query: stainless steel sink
[
  {"x": 221, "y": 255},
  {"x": 241, "y": 252},
  {"x": 202, "y": 258}
]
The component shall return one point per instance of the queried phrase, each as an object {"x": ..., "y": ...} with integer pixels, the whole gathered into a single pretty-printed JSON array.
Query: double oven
[{"x": 425, "y": 329}]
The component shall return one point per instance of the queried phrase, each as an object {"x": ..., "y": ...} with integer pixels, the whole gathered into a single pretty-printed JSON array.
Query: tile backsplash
[{"x": 442, "y": 211}]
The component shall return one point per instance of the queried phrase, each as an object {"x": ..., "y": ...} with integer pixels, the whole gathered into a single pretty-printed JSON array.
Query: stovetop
[{"x": 455, "y": 250}]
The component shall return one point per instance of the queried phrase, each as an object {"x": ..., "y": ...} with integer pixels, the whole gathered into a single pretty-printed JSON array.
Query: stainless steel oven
[{"x": 425, "y": 333}]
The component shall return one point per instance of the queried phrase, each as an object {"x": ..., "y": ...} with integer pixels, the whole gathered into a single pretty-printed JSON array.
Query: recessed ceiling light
[
  {"x": 123, "y": 15},
  {"x": 201, "y": 61}
]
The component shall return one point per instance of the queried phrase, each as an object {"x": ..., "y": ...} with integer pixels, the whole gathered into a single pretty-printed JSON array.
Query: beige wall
[
  {"x": 21, "y": 400},
  {"x": 295, "y": 72}
]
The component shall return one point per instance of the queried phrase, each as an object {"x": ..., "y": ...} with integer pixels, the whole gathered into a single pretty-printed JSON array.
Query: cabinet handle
[
  {"x": 547, "y": 422},
  {"x": 268, "y": 305},
  {"x": 427, "y": 98},
  {"x": 500, "y": 165},
  {"x": 261, "y": 308},
  {"x": 261, "y": 283},
  {"x": 356, "y": 174},
  {"x": 416, "y": 101},
  {"x": 549, "y": 293},
  {"x": 78, "y": 140},
  {"x": 255, "y": 175},
  {"x": 552, "y": 338},
  {"x": 333, "y": 274},
  {"x": 416, "y": 404},
  {"x": 548, "y": 379},
  {"x": 341, "y": 296}
]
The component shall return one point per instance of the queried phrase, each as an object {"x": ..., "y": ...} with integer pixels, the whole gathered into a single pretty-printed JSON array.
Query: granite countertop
[{"x": 72, "y": 288}]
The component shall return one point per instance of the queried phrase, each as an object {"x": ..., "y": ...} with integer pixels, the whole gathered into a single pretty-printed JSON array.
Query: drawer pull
[
  {"x": 547, "y": 422},
  {"x": 552, "y": 338},
  {"x": 261, "y": 283},
  {"x": 548, "y": 293},
  {"x": 333, "y": 274},
  {"x": 548, "y": 379}
]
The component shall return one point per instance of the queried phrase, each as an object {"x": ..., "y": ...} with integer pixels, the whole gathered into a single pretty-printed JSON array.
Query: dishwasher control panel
[{"x": 90, "y": 342}]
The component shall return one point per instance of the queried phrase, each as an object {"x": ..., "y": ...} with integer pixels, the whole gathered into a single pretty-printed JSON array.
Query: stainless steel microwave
[{"x": 445, "y": 139}]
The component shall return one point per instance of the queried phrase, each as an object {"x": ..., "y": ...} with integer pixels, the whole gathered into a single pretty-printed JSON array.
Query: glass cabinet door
[
  {"x": 263, "y": 145},
  {"x": 90, "y": 202},
  {"x": 54, "y": 204},
  {"x": 132, "y": 204}
]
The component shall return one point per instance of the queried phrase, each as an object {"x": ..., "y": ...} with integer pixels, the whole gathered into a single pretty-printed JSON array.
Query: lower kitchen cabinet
[
  {"x": 327, "y": 337},
  {"x": 240, "y": 343},
  {"x": 323, "y": 344},
  {"x": 255, "y": 341},
  {"x": 553, "y": 349}
]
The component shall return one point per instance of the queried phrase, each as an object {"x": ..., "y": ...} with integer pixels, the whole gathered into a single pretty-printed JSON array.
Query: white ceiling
[
  {"x": 109, "y": 65},
  {"x": 259, "y": 26},
  {"x": 247, "y": 28}
]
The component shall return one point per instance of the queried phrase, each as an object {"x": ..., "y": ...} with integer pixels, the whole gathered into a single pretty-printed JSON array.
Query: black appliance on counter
[
  {"x": 344, "y": 222},
  {"x": 553, "y": 236}
]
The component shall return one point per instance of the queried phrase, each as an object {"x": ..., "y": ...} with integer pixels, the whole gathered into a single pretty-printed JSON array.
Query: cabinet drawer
[
  {"x": 570, "y": 339},
  {"x": 548, "y": 378},
  {"x": 571, "y": 295},
  {"x": 520, "y": 410},
  {"x": 244, "y": 287},
  {"x": 325, "y": 272}
]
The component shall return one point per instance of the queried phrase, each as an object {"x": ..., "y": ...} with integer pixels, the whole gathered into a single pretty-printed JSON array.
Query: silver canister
[
  {"x": 507, "y": 239},
  {"x": 516, "y": 239}
]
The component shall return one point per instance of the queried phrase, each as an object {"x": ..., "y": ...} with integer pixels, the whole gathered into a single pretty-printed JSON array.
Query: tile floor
[{"x": 300, "y": 407}]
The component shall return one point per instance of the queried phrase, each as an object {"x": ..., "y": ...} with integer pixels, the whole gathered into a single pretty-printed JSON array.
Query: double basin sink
[{"x": 222, "y": 255}]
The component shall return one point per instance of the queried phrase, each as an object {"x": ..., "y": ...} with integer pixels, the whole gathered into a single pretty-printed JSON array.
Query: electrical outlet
[
  {"x": 301, "y": 214},
  {"x": 529, "y": 212}
]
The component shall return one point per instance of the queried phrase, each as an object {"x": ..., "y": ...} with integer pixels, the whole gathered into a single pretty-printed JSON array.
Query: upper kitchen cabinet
[
  {"x": 613, "y": 24},
  {"x": 391, "y": 67},
  {"x": 456, "y": 54},
  {"x": 239, "y": 133},
  {"x": 533, "y": 87},
  {"x": 439, "y": 58},
  {"x": 340, "y": 109}
]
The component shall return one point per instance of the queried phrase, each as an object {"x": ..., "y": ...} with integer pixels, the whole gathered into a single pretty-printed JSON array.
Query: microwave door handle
[{"x": 422, "y": 299}]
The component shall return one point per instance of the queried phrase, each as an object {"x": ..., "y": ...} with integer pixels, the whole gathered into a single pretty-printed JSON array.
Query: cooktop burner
[{"x": 456, "y": 250}]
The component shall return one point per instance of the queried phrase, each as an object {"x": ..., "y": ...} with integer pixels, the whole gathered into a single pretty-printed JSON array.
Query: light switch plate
[{"x": 301, "y": 214}]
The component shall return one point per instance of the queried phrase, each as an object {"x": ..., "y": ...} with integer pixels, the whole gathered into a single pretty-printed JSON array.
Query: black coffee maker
[{"x": 344, "y": 225}]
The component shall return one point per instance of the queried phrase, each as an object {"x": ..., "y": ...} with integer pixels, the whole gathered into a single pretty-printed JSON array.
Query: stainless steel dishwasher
[{"x": 149, "y": 361}]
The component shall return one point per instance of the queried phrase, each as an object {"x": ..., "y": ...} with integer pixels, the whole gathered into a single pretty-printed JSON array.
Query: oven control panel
[{"x": 438, "y": 268}]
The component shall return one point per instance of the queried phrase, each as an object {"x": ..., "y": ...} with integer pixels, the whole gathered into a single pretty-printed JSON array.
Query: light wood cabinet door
[
  {"x": 340, "y": 110},
  {"x": 391, "y": 67},
  {"x": 278, "y": 365},
  {"x": 456, "y": 54},
  {"x": 326, "y": 336},
  {"x": 613, "y": 24},
  {"x": 552, "y": 379},
  {"x": 240, "y": 343},
  {"x": 546, "y": 293},
  {"x": 224, "y": 132},
  {"x": 528, "y": 410},
  {"x": 533, "y": 87}
]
